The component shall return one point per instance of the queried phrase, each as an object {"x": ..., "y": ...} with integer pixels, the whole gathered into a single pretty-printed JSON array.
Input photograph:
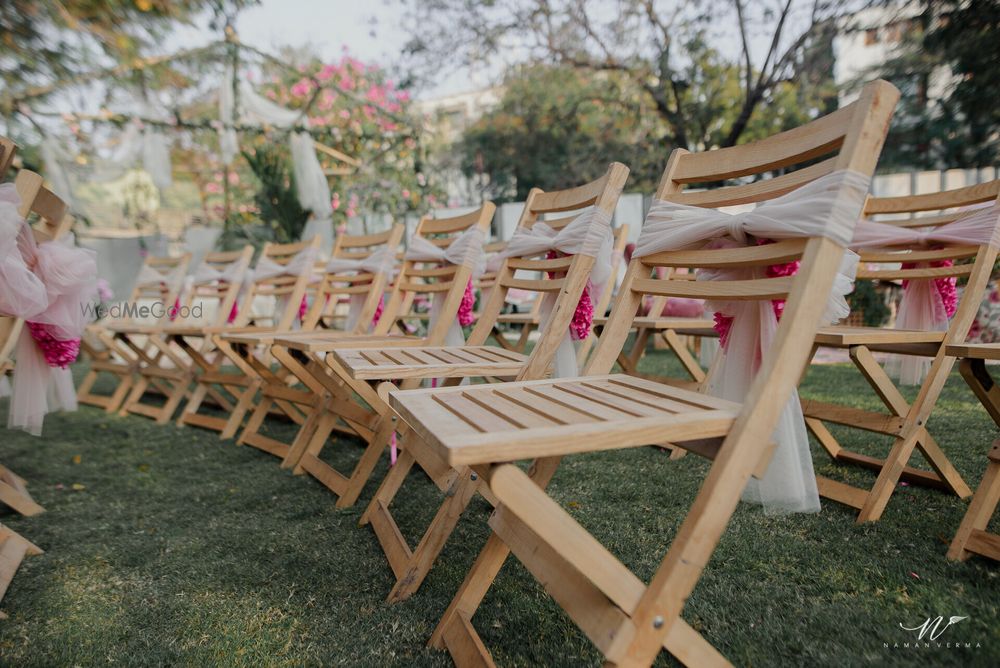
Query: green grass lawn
[{"x": 169, "y": 546}]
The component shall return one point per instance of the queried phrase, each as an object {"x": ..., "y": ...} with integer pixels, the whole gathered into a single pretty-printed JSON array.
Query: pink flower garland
[
  {"x": 465, "y": 315},
  {"x": 303, "y": 307},
  {"x": 583, "y": 317},
  {"x": 57, "y": 353},
  {"x": 378, "y": 310},
  {"x": 945, "y": 286},
  {"x": 723, "y": 322}
]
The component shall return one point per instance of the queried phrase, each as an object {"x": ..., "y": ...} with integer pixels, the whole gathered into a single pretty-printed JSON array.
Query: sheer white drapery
[
  {"x": 827, "y": 207},
  {"x": 302, "y": 262},
  {"x": 310, "y": 182},
  {"x": 922, "y": 307}
]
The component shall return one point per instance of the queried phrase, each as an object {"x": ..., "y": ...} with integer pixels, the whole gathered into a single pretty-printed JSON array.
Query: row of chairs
[
  {"x": 47, "y": 214},
  {"x": 367, "y": 382}
]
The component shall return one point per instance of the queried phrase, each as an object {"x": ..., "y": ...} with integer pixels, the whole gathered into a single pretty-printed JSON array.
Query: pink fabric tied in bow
[
  {"x": 56, "y": 315},
  {"x": 927, "y": 305}
]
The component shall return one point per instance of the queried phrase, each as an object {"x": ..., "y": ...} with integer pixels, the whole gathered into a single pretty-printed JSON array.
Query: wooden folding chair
[
  {"x": 161, "y": 364},
  {"x": 306, "y": 356},
  {"x": 486, "y": 427},
  {"x": 212, "y": 380},
  {"x": 275, "y": 389},
  {"x": 566, "y": 277},
  {"x": 49, "y": 219},
  {"x": 972, "y": 536},
  {"x": 160, "y": 281},
  {"x": 905, "y": 422}
]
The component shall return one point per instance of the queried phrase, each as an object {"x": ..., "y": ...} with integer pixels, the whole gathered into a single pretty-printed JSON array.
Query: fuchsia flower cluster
[
  {"x": 945, "y": 286},
  {"x": 583, "y": 316},
  {"x": 465, "y": 310},
  {"x": 723, "y": 322},
  {"x": 58, "y": 353}
]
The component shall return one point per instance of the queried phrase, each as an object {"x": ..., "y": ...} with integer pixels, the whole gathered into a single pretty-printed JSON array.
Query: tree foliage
[
  {"x": 556, "y": 126},
  {"x": 277, "y": 202},
  {"x": 946, "y": 68},
  {"x": 47, "y": 41},
  {"x": 661, "y": 48}
]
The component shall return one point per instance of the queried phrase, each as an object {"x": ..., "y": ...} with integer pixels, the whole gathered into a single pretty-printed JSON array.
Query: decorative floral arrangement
[
  {"x": 58, "y": 353},
  {"x": 986, "y": 326},
  {"x": 583, "y": 317},
  {"x": 723, "y": 322},
  {"x": 946, "y": 286},
  {"x": 466, "y": 315}
]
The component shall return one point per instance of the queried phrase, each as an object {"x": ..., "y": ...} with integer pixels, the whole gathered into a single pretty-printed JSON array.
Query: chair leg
[
  {"x": 174, "y": 400},
  {"x": 256, "y": 419},
  {"x": 13, "y": 549},
  {"x": 138, "y": 390},
  {"x": 485, "y": 569},
  {"x": 116, "y": 397},
  {"x": 310, "y": 447},
  {"x": 369, "y": 460},
  {"x": 888, "y": 478},
  {"x": 477, "y": 582},
  {"x": 683, "y": 354},
  {"x": 240, "y": 410},
  {"x": 14, "y": 493},
  {"x": 434, "y": 539},
  {"x": 976, "y": 519},
  {"x": 193, "y": 404},
  {"x": 390, "y": 485}
]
